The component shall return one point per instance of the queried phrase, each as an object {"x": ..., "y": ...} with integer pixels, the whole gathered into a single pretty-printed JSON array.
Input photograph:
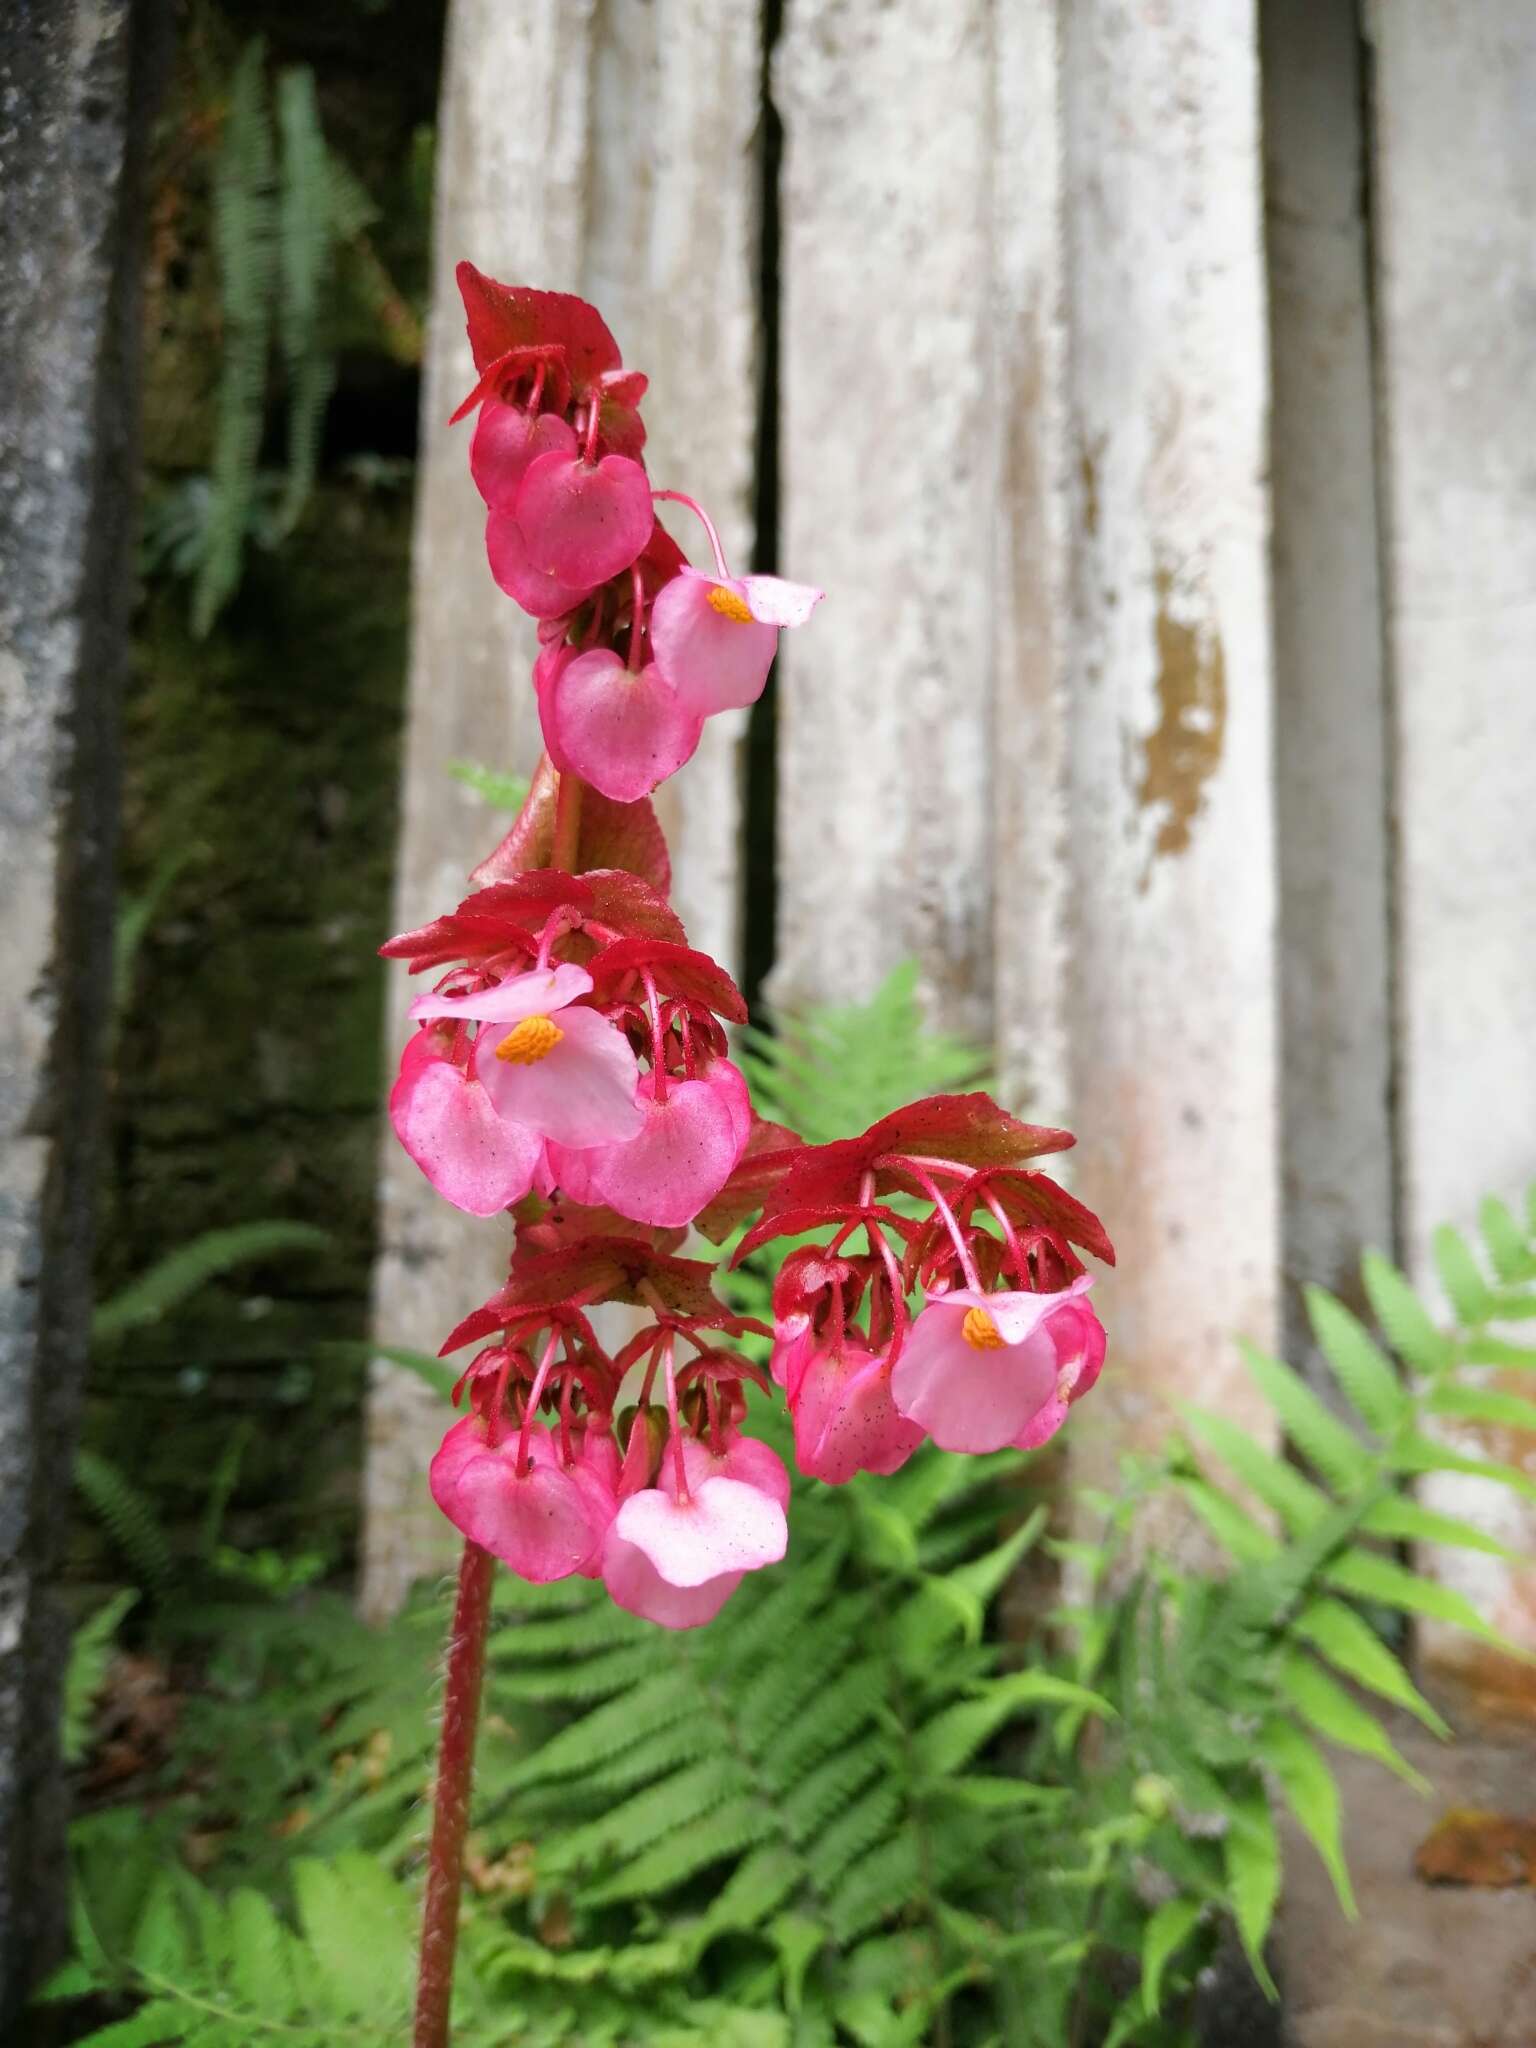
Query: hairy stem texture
[{"x": 450, "y": 1814}]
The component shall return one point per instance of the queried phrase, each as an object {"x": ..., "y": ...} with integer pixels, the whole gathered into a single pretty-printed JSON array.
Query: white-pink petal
[
  {"x": 535, "y": 994},
  {"x": 726, "y": 1526},
  {"x": 581, "y": 1093},
  {"x": 971, "y": 1399},
  {"x": 775, "y": 602}
]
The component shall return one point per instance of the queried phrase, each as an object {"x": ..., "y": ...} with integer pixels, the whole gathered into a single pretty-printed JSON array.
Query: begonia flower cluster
[{"x": 571, "y": 1068}]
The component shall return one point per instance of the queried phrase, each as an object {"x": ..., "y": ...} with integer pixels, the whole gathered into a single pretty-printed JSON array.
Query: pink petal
[
  {"x": 794, "y": 1343},
  {"x": 778, "y": 603},
  {"x": 539, "y": 593},
  {"x": 581, "y": 1093},
  {"x": 547, "y": 669},
  {"x": 969, "y": 1399},
  {"x": 730, "y": 1085},
  {"x": 446, "y": 1122},
  {"x": 537, "y": 994},
  {"x": 743, "y": 1458},
  {"x": 683, "y": 1156},
  {"x": 584, "y": 523},
  {"x": 1042, "y": 1425},
  {"x": 622, "y": 732},
  {"x": 635, "y": 1585},
  {"x": 506, "y": 440},
  {"x": 538, "y": 1522},
  {"x": 846, "y": 1420},
  {"x": 725, "y": 1526},
  {"x": 713, "y": 661}
]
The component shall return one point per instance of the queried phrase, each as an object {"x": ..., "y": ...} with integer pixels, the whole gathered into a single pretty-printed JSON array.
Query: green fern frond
[
  {"x": 128, "y": 1518},
  {"x": 245, "y": 237}
]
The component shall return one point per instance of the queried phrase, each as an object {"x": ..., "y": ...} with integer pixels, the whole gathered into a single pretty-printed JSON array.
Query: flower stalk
[{"x": 450, "y": 1804}]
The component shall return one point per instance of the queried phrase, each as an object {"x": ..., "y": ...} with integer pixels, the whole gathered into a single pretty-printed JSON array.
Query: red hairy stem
[
  {"x": 450, "y": 1811},
  {"x": 563, "y": 850}
]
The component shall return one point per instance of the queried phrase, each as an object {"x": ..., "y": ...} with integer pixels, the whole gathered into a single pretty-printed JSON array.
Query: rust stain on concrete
[
  {"x": 1184, "y": 750},
  {"x": 1089, "y": 474}
]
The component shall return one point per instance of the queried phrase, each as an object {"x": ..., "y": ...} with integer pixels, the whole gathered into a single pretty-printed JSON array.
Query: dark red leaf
[
  {"x": 491, "y": 919},
  {"x": 612, "y": 835},
  {"x": 968, "y": 1130},
  {"x": 676, "y": 970},
  {"x": 507, "y": 316},
  {"x": 795, "y": 1222},
  {"x": 528, "y": 843},
  {"x": 629, "y": 905},
  {"x": 1035, "y": 1200},
  {"x": 615, "y": 835}
]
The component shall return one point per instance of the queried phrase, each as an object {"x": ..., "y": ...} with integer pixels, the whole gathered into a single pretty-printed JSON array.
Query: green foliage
[
  {"x": 836, "y": 1070},
  {"x": 292, "y": 251},
  {"x": 90, "y": 1651},
  {"x": 504, "y": 792},
  {"x": 851, "y": 1811},
  {"x": 191, "y": 1266},
  {"x": 128, "y": 1518}
]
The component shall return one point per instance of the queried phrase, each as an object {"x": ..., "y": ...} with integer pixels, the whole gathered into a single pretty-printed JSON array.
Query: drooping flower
[
  {"x": 676, "y": 1551},
  {"x": 691, "y": 1135},
  {"x": 551, "y": 1065},
  {"x": 715, "y": 637},
  {"x": 542, "y": 1519},
  {"x": 475, "y": 1117},
  {"x": 623, "y": 729},
  {"x": 846, "y": 1420},
  {"x": 506, "y": 440},
  {"x": 980, "y": 1370},
  {"x": 583, "y": 521}
]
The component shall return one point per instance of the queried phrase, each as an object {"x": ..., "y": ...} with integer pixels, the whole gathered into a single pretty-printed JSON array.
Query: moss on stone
[{"x": 247, "y": 1070}]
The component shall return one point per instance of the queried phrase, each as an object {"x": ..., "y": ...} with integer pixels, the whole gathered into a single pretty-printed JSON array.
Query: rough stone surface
[
  {"x": 1456, "y": 292},
  {"x": 72, "y": 105},
  {"x": 1423, "y": 1966},
  {"x": 1330, "y": 709}
]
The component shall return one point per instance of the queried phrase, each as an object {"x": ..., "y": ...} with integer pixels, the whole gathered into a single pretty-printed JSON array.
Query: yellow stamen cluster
[
  {"x": 980, "y": 1332},
  {"x": 529, "y": 1042},
  {"x": 730, "y": 604}
]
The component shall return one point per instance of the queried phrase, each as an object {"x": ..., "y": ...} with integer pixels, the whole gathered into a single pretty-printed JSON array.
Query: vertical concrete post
[{"x": 72, "y": 114}]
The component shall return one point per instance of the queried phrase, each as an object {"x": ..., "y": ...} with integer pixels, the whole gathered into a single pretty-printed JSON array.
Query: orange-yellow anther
[
  {"x": 980, "y": 1332},
  {"x": 730, "y": 604},
  {"x": 532, "y": 1040}
]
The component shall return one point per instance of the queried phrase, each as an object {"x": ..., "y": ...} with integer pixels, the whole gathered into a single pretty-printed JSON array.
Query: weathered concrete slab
[
  {"x": 71, "y": 113},
  {"x": 1332, "y": 806},
  {"x": 1455, "y": 171},
  {"x": 1171, "y": 995}
]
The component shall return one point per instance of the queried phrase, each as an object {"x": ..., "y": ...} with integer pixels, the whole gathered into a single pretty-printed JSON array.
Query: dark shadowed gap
[{"x": 760, "y": 794}]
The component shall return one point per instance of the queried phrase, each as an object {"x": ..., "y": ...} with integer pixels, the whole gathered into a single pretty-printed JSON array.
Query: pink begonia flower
[
  {"x": 684, "y": 1154},
  {"x": 545, "y": 1522},
  {"x": 676, "y": 1559},
  {"x": 506, "y": 441},
  {"x": 540, "y": 594},
  {"x": 449, "y": 1126},
  {"x": 584, "y": 522},
  {"x": 739, "y": 1457},
  {"x": 715, "y": 638},
  {"x": 979, "y": 1370},
  {"x": 845, "y": 1418},
  {"x": 561, "y": 1071},
  {"x": 621, "y": 730}
]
